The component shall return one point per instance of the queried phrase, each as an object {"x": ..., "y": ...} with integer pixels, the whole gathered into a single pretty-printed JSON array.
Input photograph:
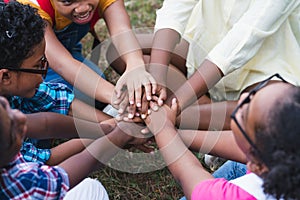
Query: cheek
[{"x": 239, "y": 138}]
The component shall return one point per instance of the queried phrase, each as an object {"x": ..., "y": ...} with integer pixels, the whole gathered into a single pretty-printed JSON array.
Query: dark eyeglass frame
[
  {"x": 44, "y": 65},
  {"x": 247, "y": 100}
]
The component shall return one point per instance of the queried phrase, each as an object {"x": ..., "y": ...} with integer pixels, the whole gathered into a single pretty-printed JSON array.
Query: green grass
[{"x": 158, "y": 184}]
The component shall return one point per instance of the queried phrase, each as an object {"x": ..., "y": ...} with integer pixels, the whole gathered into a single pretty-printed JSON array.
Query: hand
[
  {"x": 133, "y": 81},
  {"x": 158, "y": 120}
]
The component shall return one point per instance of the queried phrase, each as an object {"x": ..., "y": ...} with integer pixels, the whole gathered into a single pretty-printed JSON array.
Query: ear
[
  {"x": 257, "y": 167},
  {"x": 5, "y": 77}
]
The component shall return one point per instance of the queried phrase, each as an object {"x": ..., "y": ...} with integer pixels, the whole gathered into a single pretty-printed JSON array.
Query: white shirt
[{"x": 261, "y": 36}]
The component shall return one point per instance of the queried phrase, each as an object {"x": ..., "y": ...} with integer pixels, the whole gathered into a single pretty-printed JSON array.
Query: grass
[
  {"x": 121, "y": 184},
  {"x": 158, "y": 184}
]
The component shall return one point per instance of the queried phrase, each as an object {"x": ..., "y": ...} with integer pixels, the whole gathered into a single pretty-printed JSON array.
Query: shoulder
[
  {"x": 103, "y": 4},
  {"x": 40, "y": 180}
]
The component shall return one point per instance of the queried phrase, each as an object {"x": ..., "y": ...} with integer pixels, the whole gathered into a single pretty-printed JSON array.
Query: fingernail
[
  {"x": 138, "y": 104},
  {"x": 160, "y": 102},
  {"x": 131, "y": 102},
  {"x": 130, "y": 116},
  {"x": 137, "y": 114},
  {"x": 149, "y": 112},
  {"x": 149, "y": 98},
  {"x": 143, "y": 116},
  {"x": 155, "y": 108}
]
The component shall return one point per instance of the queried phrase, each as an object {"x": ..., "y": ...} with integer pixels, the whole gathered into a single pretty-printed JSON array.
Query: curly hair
[
  {"x": 21, "y": 30},
  {"x": 279, "y": 141}
]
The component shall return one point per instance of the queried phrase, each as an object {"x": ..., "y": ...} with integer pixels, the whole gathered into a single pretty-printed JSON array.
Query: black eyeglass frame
[
  {"x": 247, "y": 100},
  {"x": 43, "y": 71}
]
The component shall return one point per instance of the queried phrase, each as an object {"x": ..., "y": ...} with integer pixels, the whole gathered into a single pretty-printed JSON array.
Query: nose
[{"x": 82, "y": 8}]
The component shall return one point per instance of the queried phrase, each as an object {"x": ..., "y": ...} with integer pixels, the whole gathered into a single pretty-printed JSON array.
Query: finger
[
  {"x": 147, "y": 87},
  {"x": 131, "y": 111},
  {"x": 123, "y": 104},
  {"x": 174, "y": 105},
  {"x": 144, "y": 108},
  {"x": 131, "y": 94},
  {"x": 154, "y": 105},
  {"x": 138, "y": 94},
  {"x": 119, "y": 88},
  {"x": 144, "y": 148},
  {"x": 153, "y": 84}
]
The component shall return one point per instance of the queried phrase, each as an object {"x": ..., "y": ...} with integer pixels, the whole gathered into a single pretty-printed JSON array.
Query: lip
[{"x": 83, "y": 18}]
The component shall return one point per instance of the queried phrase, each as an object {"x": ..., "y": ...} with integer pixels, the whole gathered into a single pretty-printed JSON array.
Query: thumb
[{"x": 174, "y": 105}]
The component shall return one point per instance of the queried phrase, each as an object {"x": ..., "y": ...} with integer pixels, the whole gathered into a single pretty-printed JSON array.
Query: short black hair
[{"x": 21, "y": 30}]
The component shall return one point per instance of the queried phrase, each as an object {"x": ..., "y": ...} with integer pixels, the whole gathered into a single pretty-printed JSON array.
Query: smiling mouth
[{"x": 82, "y": 17}]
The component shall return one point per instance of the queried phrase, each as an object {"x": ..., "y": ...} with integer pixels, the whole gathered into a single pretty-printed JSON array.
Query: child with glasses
[
  {"x": 32, "y": 180},
  {"x": 223, "y": 48},
  {"x": 265, "y": 131},
  {"x": 23, "y": 65}
]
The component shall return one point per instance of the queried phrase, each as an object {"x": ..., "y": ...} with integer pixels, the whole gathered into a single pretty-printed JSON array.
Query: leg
[{"x": 230, "y": 170}]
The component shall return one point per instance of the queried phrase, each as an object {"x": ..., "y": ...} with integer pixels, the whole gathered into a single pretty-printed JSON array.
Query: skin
[
  {"x": 118, "y": 23},
  {"x": 181, "y": 159},
  {"x": 91, "y": 158}
]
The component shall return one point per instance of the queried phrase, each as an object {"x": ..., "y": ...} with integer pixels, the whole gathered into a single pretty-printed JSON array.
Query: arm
[
  {"x": 53, "y": 125},
  {"x": 218, "y": 143},
  {"x": 182, "y": 163},
  {"x": 99, "y": 153},
  {"x": 135, "y": 75},
  {"x": 75, "y": 72}
]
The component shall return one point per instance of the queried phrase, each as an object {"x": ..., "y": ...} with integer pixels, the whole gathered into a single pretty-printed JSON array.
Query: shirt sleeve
[
  {"x": 33, "y": 180},
  {"x": 50, "y": 97},
  {"x": 103, "y": 4},
  {"x": 174, "y": 15},
  {"x": 246, "y": 37},
  {"x": 219, "y": 189}
]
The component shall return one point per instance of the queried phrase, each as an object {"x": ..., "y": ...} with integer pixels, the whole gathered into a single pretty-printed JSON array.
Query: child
[
  {"x": 240, "y": 42},
  {"x": 22, "y": 66},
  {"x": 31, "y": 180},
  {"x": 265, "y": 130},
  {"x": 67, "y": 23}
]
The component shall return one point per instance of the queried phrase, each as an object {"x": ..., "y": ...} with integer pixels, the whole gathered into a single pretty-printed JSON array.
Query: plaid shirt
[
  {"x": 49, "y": 97},
  {"x": 28, "y": 180}
]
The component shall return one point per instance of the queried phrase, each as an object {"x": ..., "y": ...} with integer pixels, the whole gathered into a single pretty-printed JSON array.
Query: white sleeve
[
  {"x": 174, "y": 14},
  {"x": 243, "y": 41}
]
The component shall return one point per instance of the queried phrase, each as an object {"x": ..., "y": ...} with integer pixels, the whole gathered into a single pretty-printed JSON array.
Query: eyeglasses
[
  {"x": 247, "y": 100},
  {"x": 43, "y": 68}
]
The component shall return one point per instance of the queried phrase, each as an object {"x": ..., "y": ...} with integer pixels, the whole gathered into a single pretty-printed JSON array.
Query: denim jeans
[{"x": 229, "y": 170}]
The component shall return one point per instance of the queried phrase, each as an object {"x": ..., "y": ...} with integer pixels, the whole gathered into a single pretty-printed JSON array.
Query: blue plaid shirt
[
  {"x": 30, "y": 180},
  {"x": 49, "y": 97}
]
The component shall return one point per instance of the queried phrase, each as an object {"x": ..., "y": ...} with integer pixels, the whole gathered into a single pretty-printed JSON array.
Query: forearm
[
  {"x": 218, "y": 143},
  {"x": 75, "y": 72},
  {"x": 182, "y": 163},
  {"x": 164, "y": 44},
  {"x": 207, "y": 75},
  {"x": 53, "y": 125},
  {"x": 95, "y": 155}
]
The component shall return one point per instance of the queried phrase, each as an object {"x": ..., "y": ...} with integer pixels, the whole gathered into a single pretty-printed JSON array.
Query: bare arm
[
  {"x": 53, "y": 125},
  {"x": 75, "y": 72},
  {"x": 218, "y": 143}
]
